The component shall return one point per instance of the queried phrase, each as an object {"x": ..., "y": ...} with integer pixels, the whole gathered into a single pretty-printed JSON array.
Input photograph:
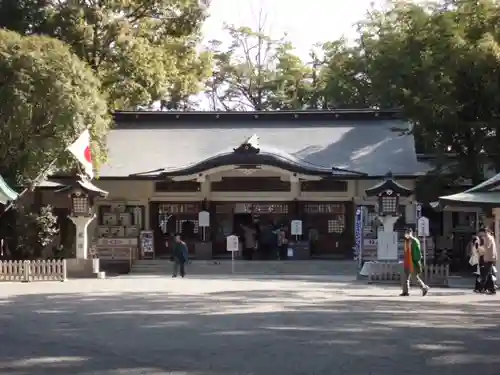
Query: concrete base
[
  {"x": 82, "y": 268},
  {"x": 203, "y": 250}
]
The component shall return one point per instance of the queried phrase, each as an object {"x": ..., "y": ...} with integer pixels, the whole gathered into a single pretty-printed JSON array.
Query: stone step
[{"x": 250, "y": 267}]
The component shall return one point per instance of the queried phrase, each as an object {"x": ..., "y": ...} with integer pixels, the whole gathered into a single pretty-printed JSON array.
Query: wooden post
[
  {"x": 26, "y": 270},
  {"x": 64, "y": 270}
]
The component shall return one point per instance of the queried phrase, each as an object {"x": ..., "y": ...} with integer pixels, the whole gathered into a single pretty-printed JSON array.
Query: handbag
[{"x": 474, "y": 259}]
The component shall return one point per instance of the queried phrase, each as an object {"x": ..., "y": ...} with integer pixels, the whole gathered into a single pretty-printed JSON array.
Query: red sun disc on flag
[{"x": 87, "y": 154}]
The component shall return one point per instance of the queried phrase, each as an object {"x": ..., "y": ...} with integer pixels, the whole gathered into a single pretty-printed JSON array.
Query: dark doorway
[
  {"x": 163, "y": 225},
  {"x": 239, "y": 220}
]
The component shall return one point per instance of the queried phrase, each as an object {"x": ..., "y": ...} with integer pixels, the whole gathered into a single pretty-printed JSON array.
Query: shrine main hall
[{"x": 164, "y": 168}]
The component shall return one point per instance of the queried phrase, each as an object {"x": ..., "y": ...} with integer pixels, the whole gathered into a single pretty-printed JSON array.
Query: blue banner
[{"x": 358, "y": 233}]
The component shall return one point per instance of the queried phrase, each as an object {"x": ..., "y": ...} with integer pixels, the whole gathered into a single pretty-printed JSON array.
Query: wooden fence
[
  {"x": 37, "y": 270},
  {"x": 433, "y": 274}
]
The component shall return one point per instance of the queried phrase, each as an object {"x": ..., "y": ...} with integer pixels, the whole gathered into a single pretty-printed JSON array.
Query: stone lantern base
[{"x": 83, "y": 268}]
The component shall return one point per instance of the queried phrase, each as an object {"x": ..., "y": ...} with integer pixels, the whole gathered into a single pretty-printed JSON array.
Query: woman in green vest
[{"x": 412, "y": 264}]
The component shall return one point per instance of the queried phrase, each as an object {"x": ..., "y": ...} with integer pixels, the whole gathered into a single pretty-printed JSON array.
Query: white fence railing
[
  {"x": 434, "y": 274},
  {"x": 37, "y": 270}
]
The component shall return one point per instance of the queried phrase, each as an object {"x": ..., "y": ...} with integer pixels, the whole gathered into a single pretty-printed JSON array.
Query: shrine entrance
[
  {"x": 236, "y": 218},
  {"x": 326, "y": 226},
  {"x": 170, "y": 218}
]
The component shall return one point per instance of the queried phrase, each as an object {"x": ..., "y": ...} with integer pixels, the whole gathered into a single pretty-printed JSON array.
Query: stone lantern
[
  {"x": 388, "y": 193},
  {"x": 82, "y": 193}
]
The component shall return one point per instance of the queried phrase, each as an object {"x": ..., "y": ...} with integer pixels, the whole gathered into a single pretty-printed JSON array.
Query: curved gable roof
[{"x": 265, "y": 155}]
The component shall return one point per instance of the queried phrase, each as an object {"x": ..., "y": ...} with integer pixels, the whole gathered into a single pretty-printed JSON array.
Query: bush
[{"x": 34, "y": 231}]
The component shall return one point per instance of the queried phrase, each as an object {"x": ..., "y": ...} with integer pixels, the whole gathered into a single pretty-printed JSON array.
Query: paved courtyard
[{"x": 245, "y": 326}]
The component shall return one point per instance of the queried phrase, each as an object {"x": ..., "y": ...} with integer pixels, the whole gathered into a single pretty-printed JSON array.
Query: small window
[
  {"x": 177, "y": 186},
  {"x": 324, "y": 186},
  {"x": 337, "y": 225}
]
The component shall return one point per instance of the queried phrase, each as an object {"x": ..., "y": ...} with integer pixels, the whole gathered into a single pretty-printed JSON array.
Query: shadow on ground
[{"x": 246, "y": 332}]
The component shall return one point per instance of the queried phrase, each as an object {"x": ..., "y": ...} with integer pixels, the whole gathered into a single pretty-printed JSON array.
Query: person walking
[
  {"x": 490, "y": 259},
  {"x": 412, "y": 264},
  {"x": 180, "y": 256}
]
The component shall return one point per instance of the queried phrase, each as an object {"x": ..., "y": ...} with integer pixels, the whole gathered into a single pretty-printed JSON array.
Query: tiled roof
[
  {"x": 486, "y": 193},
  {"x": 371, "y": 147}
]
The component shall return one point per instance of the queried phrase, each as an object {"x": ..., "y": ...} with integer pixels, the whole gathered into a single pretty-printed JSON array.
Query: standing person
[
  {"x": 180, "y": 256},
  {"x": 282, "y": 243},
  {"x": 411, "y": 264},
  {"x": 490, "y": 258},
  {"x": 249, "y": 241},
  {"x": 476, "y": 260}
]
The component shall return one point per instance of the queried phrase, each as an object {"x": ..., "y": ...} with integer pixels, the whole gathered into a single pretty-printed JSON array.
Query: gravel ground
[{"x": 244, "y": 325}]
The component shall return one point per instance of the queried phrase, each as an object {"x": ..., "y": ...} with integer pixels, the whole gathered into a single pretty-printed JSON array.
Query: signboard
[
  {"x": 232, "y": 243},
  {"x": 296, "y": 227},
  {"x": 370, "y": 242},
  {"x": 387, "y": 248},
  {"x": 423, "y": 227},
  {"x": 117, "y": 242},
  {"x": 418, "y": 211},
  {"x": 147, "y": 241},
  {"x": 358, "y": 233},
  {"x": 203, "y": 219}
]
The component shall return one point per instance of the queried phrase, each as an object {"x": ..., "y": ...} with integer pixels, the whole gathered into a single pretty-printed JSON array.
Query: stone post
[{"x": 81, "y": 224}]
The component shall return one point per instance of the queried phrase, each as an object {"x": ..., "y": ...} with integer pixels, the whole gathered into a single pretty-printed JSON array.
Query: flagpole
[{"x": 39, "y": 177}]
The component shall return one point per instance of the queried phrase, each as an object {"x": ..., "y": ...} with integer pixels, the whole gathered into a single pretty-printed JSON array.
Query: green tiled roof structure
[
  {"x": 484, "y": 194},
  {"x": 6, "y": 193}
]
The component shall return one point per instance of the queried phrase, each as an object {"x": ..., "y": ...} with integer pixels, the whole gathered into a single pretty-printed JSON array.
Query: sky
[{"x": 304, "y": 22}]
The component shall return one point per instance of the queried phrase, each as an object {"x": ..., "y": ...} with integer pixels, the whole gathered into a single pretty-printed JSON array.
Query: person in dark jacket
[{"x": 180, "y": 256}]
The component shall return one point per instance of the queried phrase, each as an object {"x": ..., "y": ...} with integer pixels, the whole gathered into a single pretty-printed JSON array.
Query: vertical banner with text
[{"x": 358, "y": 233}]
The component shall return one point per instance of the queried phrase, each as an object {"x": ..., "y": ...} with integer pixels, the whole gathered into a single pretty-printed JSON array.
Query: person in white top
[
  {"x": 477, "y": 261},
  {"x": 490, "y": 258}
]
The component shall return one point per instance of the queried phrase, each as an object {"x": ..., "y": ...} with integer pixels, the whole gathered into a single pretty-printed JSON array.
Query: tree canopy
[
  {"x": 142, "y": 50},
  {"x": 48, "y": 96},
  {"x": 440, "y": 64},
  {"x": 436, "y": 61}
]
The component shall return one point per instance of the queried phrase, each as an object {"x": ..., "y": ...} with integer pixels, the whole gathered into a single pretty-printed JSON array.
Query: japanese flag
[{"x": 81, "y": 149}]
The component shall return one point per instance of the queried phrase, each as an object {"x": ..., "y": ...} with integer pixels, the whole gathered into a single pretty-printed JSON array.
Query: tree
[
  {"x": 256, "y": 71},
  {"x": 342, "y": 80},
  {"x": 142, "y": 50},
  {"x": 440, "y": 63},
  {"x": 48, "y": 96},
  {"x": 242, "y": 73},
  {"x": 34, "y": 232},
  {"x": 291, "y": 86}
]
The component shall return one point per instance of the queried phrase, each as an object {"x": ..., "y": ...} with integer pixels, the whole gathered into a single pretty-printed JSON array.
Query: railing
[
  {"x": 37, "y": 270},
  {"x": 436, "y": 274}
]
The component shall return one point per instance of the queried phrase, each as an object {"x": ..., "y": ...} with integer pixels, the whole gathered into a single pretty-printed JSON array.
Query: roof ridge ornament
[
  {"x": 249, "y": 146},
  {"x": 388, "y": 186}
]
